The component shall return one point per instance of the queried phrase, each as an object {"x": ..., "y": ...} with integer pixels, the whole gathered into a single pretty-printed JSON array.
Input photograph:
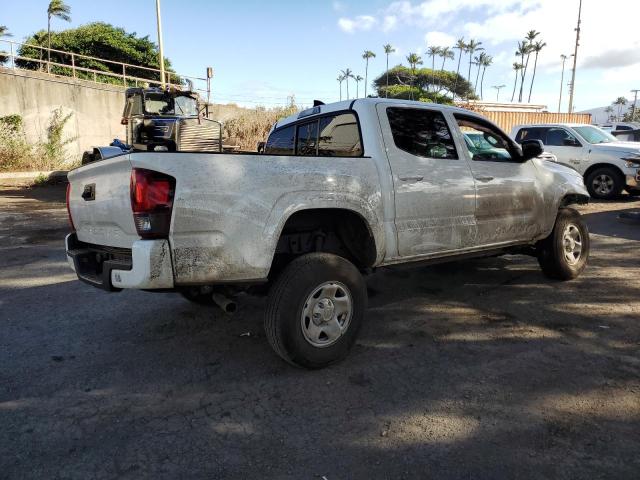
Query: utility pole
[
  {"x": 564, "y": 59},
  {"x": 161, "y": 53},
  {"x": 575, "y": 59},
  {"x": 498, "y": 87},
  {"x": 633, "y": 107}
]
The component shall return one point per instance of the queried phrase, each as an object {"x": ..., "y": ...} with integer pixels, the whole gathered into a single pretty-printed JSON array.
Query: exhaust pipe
[{"x": 225, "y": 303}]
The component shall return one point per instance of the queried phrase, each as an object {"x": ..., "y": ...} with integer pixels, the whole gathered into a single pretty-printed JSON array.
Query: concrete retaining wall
[{"x": 96, "y": 108}]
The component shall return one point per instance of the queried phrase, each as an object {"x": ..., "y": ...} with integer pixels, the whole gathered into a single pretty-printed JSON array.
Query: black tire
[
  {"x": 552, "y": 255},
  {"x": 289, "y": 298},
  {"x": 604, "y": 183},
  {"x": 194, "y": 295}
]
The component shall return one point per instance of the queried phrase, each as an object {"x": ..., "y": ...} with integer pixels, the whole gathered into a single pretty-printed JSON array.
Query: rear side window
[
  {"x": 421, "y": 132},
  {"x": 531, "y": 134},
  {"x": 335, "y": 135},
  {"x": 339, "y": 136},
  {"x": 281, "y": 142},
  {"x": 307, "y": 139}
]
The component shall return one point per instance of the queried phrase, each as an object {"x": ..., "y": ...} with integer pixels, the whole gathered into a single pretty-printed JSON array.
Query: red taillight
[
  {"x": 73, "y": 228},
  {"x": 152, "y": 202}
]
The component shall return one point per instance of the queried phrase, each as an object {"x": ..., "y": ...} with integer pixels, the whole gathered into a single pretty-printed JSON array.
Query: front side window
[
  {"x": 281, "y": 142},
  {"x": 484, "y": 142},
  {"x": 559, "y": 137},
  {"x": 421, "y": 132}
]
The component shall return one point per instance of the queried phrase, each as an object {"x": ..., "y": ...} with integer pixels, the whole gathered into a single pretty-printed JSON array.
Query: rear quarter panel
[{"x": 229, "y": 210}]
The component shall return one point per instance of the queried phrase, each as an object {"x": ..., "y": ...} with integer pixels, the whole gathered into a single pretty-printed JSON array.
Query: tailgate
[{"x": 100, "y": 203}]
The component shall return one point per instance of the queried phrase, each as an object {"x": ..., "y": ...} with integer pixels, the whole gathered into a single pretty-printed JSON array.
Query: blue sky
[{"x": 264, "y": 51}]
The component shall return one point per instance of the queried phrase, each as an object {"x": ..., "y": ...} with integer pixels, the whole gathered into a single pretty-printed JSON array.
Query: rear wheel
[
  {"x": 563, "y": 254},
  {"x": 604, "y": 183},
  {"x": 315, "y": 309}
]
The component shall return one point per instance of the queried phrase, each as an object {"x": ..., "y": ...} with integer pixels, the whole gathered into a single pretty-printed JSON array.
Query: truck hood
[{"x": 617, "y": 147}]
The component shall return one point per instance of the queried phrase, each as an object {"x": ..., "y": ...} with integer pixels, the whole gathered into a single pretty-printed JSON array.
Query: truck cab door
[
  {"x": 509, "y": 199},
  {"x": 567, "y": 148},
  {"x": 433, "y": 186}
]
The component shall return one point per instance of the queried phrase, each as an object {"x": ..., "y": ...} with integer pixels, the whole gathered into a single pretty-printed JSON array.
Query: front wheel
[
  {"x": 563, "y": 254},
  {"x": 604, "y": 183},
  {"x": 315, "y": 309}
]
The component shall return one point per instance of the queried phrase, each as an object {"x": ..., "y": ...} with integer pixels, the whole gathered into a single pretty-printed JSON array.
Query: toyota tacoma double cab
[{"x": 339, "y": 190}]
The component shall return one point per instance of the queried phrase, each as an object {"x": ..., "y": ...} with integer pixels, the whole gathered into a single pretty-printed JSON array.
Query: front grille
[{"x": 199, "y": 135}]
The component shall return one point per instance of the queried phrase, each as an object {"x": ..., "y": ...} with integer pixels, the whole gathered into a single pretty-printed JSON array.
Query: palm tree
[
  {"x": 485, "y": 62},
  {"x": 340, "y": 79},
  {"x": 528, "y": 49},
  {"x": 536, "y": 47},
  {"x": 446, "y": 54},
  {"x": 477, "y": 60},
  {"x": 413, "y": 59},
  {"x": 472, "y": 47},
  {"x": 516, "y": 68},
  {"x": 620, "y": 102},
  {"x": 347, "y": 74},
  {"x": 522, "y": 50},
  {"x": 462, "y": 46},
  {"x": 433, "y": 52},
  {"x": 58, "y": 9},
  {"x": 366, "y": 55},
  {"x": 388, "y": 49},
  {"x": 357, "y": 79},
  {"x": 4, "y": 31},
  {"x": 609, "y": 112}
]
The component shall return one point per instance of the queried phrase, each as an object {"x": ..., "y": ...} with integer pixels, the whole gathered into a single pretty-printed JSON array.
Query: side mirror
[
  {"x": 570, "y": 142},
  {"x": 531, "y": 149}
]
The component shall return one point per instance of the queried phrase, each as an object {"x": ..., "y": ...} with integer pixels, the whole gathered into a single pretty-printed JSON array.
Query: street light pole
[
  {"x": 161, "y": 50},
  {"x": 575, "y": 59},
  {"x": 564, "y": 59},
  {"x": 498, "y": 87}
]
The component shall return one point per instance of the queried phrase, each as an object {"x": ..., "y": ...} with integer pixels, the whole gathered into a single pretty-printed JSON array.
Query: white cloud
[
  {"x": 359, "y": 23},
  {"x": 338, "y": 6},
  {"x": 439, "y": 39},
  {"x": 389, "y": 23}
]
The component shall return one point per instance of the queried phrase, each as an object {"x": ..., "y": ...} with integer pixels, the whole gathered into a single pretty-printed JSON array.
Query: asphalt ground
[{"x": 476, "y": 370}]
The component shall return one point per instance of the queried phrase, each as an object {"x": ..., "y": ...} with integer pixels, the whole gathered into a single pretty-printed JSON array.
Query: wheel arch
[
  {"x": 595, "y": 166},
  {"x": 353, "y": 230}
]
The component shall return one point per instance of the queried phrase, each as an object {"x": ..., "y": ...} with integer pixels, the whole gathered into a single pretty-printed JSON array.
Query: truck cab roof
[{"x": 355, "y": 104}]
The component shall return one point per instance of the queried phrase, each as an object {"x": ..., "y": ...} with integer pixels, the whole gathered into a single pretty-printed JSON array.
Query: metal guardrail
[{"x": 97, "y": 76}]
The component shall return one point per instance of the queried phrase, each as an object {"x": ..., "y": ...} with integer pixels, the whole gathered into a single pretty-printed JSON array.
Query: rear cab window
[{"x": 331, "y": 135}]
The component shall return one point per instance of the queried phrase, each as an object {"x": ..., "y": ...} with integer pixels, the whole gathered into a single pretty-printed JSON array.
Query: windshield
[
  {"x": 163, "y": 104},
  {"x": 595, "y": 135}
]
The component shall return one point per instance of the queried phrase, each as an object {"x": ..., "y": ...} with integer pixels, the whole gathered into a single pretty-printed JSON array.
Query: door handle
[
  {"x": 411, "y": 178},
  {"x": 483, "y": 178}
]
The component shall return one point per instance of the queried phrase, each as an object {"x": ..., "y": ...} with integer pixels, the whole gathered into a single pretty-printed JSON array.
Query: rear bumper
[{"x": 146, "y": 266}]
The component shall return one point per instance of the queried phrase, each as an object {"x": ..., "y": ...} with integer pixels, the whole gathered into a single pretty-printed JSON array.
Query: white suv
[{"x": 607, "y": 164}]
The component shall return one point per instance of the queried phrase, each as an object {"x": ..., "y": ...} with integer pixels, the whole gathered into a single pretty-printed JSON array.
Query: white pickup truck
[
  {"x": 340, "y": 190},
  {"x": 607, "y": 164}
]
